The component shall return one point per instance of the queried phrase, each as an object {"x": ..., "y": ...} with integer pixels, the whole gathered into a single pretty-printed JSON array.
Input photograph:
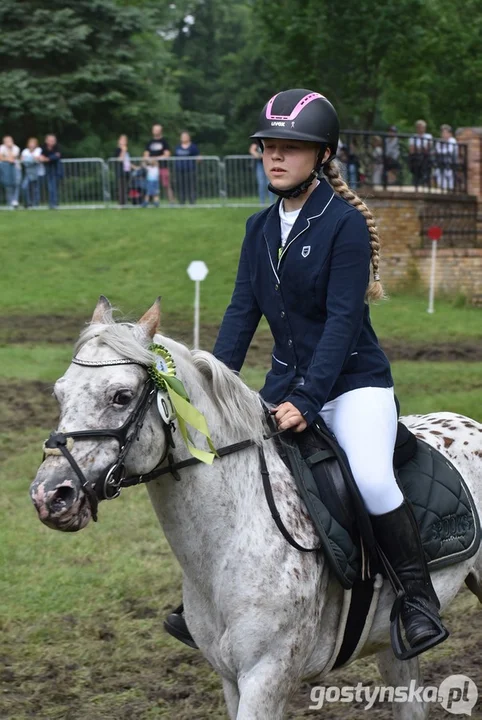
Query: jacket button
[
  {"x": 283, "y": 313},
  {"x": 290, "y": 343},
  {"x": 276, "y": 287}
]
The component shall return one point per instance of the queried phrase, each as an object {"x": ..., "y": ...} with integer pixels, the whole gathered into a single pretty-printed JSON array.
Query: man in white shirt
[
  {"x": 419, "y": 148},
  {"x": 10, "y": 171}
]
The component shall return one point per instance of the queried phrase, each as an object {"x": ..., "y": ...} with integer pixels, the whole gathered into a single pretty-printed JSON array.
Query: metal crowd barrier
[
  {"x": 245, "y": 181},
  {"x": 180, "y": 181},
  {"x": 383, "y": 161}
]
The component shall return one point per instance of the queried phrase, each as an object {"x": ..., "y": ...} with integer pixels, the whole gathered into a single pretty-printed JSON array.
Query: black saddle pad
[{"x": 442, "y": 504}]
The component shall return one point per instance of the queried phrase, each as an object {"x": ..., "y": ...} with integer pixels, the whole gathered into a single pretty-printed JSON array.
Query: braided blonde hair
[{"x": 332, "y": 173}]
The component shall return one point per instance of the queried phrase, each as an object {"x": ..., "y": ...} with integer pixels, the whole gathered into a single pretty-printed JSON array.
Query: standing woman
[
  {"x": 123, "y": 168},
  {"x": 186, "y": 169},
  {"x": 305, "y": 265},
  {"x": 51, "y": 157}
]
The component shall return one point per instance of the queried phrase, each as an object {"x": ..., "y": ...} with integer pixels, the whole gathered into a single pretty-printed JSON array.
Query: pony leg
[
  {"x": 399, "y": 673},
  {"x": 231, "y": 695},
  {"x": 474, "y": 578},
  {"x": 264, "y": 692}
]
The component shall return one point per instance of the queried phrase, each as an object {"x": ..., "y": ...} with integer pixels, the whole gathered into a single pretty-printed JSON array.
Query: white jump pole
[
  {"x": 435, "y": 233},
  {"x": 197, "y": 271}
]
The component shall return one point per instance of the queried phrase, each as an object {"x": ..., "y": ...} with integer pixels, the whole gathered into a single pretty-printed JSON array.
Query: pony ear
[
  {"x": 103, "y": 311},
  {"x": 151, "y": 320}
]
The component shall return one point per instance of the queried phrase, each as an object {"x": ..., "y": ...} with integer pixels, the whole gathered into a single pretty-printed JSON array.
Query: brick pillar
[{"x": 472, "y": 137}]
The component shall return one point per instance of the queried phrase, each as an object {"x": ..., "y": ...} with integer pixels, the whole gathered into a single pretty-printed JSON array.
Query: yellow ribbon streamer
[{"x": 186, "y": 413}]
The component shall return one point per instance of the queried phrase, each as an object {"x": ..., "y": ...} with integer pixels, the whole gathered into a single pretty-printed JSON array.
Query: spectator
[
  {"x": 30, "y": 159},
  {"x": 123, "y": 168},
  {"x": 152, "y": 183},
  {"x": 186, "y": 169},
  {"x": 377, "y": 160},
  {"x": 159, "y": 147},
  {"x": 261, "y": 179},
  {"x": 51, "y": 156},
  {"x": 353, "y": 163},
  {"x": 392, "y": 155},
  {"x": 11, "y": 173},
  {"x": 419, "y": 148},
  {"x": 445, "y": 159},
  {"x": 342, "y": 155}
]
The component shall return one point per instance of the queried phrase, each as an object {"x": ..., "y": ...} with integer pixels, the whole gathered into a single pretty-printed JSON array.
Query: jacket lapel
[
  {"x": 310, "y": 212},
  {"x": 272, "y": 235}
]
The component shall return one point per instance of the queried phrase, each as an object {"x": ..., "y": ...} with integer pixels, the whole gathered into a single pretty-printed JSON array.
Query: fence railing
[
  {"x": 398, "y": 161},
  {"x": 384, "y": 162}
]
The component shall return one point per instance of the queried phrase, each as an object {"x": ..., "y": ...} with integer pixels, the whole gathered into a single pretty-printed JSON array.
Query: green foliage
[
  {"x": 80, "y": 68},
  {"x": 91, "y": 70}
]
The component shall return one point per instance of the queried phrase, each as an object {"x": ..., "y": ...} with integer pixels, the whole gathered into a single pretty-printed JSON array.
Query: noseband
[{"x": 111, "y": 481}]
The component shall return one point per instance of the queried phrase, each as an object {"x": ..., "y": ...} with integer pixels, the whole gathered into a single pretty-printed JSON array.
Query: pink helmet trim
[{"x": 296, "y": 110}]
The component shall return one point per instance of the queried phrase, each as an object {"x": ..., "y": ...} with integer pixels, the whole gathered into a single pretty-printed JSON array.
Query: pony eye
[{"x": 122, "y": 397}]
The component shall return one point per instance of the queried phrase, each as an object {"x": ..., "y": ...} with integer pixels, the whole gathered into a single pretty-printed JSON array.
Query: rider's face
[{"x": 288, "y": 162}]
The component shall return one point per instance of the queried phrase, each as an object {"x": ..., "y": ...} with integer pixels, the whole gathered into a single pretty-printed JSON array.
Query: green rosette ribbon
[{"x": 163, "y": 372}]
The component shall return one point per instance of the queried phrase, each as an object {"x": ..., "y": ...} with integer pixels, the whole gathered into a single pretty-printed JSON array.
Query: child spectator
[
  {"x": 152, "y": 183},
  {"x": 30, "y": 159},
  {"x": 186, "y": 169},
  {"x": 11, "y": 172}
]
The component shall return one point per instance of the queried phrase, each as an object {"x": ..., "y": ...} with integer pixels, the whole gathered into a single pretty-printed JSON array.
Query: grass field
[{"x": 81, "y": 615}]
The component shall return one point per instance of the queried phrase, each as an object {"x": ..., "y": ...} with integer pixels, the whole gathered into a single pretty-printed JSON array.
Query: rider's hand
[{"x": 288, "y": 416}]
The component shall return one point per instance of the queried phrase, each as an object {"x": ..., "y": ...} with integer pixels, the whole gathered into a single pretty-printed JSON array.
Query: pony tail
[{"x": 331, "y": 171}]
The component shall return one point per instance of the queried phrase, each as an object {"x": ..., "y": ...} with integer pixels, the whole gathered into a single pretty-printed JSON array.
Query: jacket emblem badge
[{"x": 306, "y": 251}]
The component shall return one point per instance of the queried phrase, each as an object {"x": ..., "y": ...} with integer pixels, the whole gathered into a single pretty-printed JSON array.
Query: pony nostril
[{"x": 62, "y": 499}]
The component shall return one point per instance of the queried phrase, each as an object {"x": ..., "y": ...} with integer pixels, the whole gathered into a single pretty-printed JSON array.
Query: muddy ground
[
  {"x": 66, "y": 328},
  {"x": 176, "y": 681}
]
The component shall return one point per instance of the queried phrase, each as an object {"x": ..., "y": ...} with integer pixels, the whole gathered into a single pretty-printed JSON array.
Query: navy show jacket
[{"x": 313, "y": 298}]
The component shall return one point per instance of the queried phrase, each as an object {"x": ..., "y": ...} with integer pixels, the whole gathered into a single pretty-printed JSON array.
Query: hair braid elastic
[{"x": 332, "y": 173}]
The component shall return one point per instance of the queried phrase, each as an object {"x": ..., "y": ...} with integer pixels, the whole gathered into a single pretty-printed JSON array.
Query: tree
[{"x": 80, "y": 68}]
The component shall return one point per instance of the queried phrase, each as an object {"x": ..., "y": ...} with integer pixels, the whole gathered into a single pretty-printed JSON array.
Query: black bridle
[
  {"x": 110, "y": 483},
  {"x": 114, "y": 478}
]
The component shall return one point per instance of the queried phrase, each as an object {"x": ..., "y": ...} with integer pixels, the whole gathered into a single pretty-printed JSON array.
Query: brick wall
[
  {"x": 402, "y": 219},
  {"x": 457, "y": 270}
]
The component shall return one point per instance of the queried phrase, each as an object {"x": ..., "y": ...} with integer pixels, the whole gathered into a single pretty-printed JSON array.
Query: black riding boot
[
  {"x": 176, "y": 626},
  {"x": 398, "y": 535}
]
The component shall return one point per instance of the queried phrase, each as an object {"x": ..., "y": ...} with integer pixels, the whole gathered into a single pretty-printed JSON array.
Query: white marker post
[
  {"x": 435, "y": 233},
  {"x": 197, "y": 271}
]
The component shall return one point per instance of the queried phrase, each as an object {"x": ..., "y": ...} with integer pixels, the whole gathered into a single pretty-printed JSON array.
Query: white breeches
[{"x": 364, "y": 422}]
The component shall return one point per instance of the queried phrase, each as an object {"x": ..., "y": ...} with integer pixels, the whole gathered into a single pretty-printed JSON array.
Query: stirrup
[{"x": 400, "y": 650}]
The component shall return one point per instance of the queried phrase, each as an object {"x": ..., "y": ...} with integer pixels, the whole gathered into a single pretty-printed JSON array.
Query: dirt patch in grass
[
  {"x": 124, "y": 667},
  {"x": 26, "y": 403},
  {"x": 66, "y": 329}
]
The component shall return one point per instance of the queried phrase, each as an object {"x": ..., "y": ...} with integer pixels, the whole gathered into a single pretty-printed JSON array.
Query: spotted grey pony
[{"x": 264, "y": 615}]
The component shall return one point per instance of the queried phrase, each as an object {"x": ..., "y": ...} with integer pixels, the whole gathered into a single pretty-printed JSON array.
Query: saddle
[{"x": 442, "y": 504}]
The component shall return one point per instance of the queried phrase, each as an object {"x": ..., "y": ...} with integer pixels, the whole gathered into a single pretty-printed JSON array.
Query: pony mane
[{"x": 239, "y": 406}]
